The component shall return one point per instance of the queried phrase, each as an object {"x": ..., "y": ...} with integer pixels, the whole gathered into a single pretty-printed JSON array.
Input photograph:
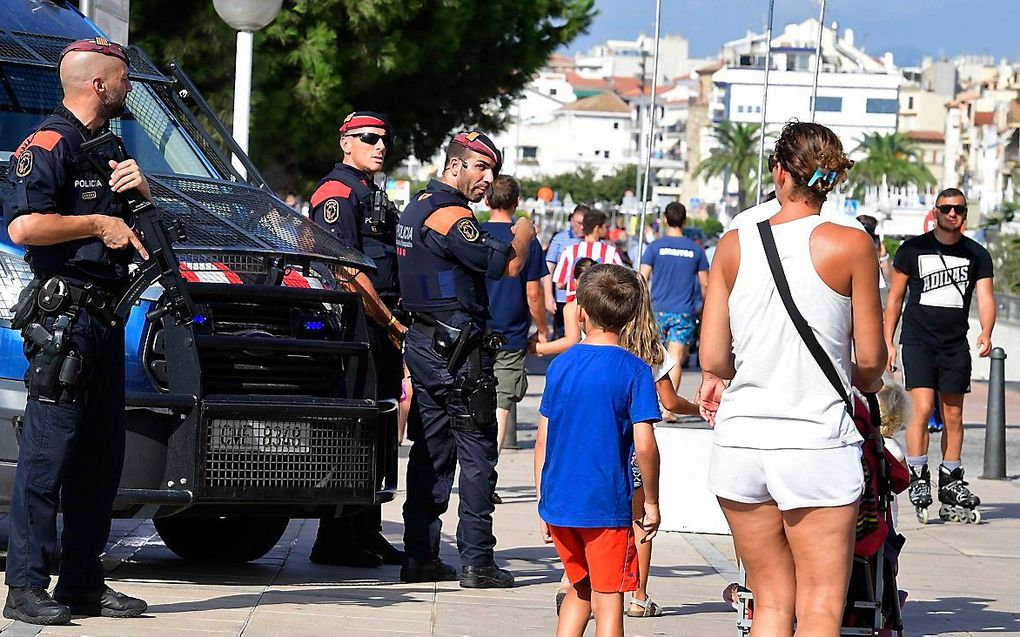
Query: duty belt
[{"x": 58, "y": 295}]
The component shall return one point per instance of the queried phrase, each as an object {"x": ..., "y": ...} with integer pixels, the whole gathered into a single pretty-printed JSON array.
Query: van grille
[{"x": 334, "y": 453}]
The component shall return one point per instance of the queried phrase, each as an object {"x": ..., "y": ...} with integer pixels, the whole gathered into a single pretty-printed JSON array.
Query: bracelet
[{"x": 392, "y": 321}]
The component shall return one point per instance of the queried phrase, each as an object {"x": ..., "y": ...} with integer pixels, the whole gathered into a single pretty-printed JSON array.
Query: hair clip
[{"x": 829, "y": 177}]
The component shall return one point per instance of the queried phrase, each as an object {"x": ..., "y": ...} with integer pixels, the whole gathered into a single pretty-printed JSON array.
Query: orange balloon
[{"x": 545, "y": 193}]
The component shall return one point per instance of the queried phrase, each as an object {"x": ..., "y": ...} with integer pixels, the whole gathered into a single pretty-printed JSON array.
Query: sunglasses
[
  {"x": 948, "y": 208},
  {"x": 772, "y": 162},
  {"x": 371, "y": 138}
]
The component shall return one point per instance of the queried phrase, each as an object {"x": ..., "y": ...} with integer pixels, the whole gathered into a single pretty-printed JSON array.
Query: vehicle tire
[{"x": 220, "y": 539}]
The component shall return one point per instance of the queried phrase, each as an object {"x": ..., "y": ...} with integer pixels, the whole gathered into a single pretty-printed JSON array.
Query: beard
[{"x": 113, "y": 106}]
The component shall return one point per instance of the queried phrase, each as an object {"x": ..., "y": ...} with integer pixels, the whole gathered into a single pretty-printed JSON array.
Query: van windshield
[{"x": 151, "y": 134}]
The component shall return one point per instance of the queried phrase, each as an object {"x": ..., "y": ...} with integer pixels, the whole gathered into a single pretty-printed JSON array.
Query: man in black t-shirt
[{"x": 938, "y": 272}]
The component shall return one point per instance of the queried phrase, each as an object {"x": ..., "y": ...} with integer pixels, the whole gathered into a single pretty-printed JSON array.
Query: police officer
[
  {"x": 444, "y": 259},
  {"x": 64, "y": 211},
  {"x": 349, "y": 204}
]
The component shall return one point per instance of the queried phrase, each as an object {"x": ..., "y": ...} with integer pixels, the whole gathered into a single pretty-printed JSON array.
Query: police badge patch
[
  {"x": 25, "y": 162},
  {"x": 468, "y": 229},
  {"x": 331, "y": 211}
]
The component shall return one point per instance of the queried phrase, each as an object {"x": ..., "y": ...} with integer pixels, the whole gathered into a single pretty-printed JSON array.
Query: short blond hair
[{"x": 892, "y": 407}]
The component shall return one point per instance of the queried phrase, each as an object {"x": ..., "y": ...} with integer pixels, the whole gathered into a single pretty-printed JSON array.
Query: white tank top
[{"x": 779, "y": 397}]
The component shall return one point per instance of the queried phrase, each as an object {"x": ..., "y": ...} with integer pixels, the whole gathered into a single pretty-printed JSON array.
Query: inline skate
[
  {"x": 920, "y": 492},
  {"x": 958, "y": 503}
]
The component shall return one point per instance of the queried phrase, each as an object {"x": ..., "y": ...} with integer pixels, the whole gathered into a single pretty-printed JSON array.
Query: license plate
[{"x": 261, "y": 436}]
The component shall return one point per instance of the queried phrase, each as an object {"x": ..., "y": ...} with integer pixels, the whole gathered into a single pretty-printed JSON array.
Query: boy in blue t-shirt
[{"x": 599, "y": 404}]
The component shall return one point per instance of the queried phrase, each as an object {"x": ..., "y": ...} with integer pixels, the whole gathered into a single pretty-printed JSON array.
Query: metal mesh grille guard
[
  {"x": 334, "y": 453},
  {"x": 234, "y": 217},
  {"x": 44, "y": 50}
]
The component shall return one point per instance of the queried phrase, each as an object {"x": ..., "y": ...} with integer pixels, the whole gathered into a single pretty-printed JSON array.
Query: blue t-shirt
[
  {"x": 593, "y": 396},
  {"x": 675, "y": 263},
  {"x": 508, "y": 296}
]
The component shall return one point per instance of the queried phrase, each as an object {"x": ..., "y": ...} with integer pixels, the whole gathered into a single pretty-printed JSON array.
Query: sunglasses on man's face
[
  {"x": 945, "y": 209},
  {"x": 371, "y": 138}
]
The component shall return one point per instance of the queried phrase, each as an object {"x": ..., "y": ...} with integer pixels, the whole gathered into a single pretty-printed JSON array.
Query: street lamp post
[{"x": 246, "y": 17}]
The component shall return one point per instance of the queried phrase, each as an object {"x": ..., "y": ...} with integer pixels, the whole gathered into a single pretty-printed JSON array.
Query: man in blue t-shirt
[
  {"x": 599, "y": 404},
  {"x": 514, "y": 302},
  {"x": 677, "y": 270}
]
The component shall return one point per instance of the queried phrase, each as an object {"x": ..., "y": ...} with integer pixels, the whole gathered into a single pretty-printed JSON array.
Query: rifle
[{"x": 157, "y": 232}]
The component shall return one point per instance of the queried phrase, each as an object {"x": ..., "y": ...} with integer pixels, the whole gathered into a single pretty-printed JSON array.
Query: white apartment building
[
  {"x": 633, "y": 58},
  {"x": 857, "y": 93},
  {"x": 596, "y": 131}
]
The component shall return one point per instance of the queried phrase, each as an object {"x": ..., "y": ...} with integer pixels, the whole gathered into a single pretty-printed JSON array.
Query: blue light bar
[
  {"x": 313, "y": 326},
  {"x": 199, "y": 319}
]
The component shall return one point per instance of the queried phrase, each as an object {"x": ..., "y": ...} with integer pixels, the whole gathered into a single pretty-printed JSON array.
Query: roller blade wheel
[
  {"x": 959, "y": 514},
  {"x": 922, "y": 514}
]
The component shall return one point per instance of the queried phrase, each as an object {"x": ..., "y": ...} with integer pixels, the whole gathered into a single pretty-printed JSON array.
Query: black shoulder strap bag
[{"x": 805, "y": 331}]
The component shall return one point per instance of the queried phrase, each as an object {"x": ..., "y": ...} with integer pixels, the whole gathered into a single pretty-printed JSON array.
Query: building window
[
  {"x": 740, "y": 109},
  {"x": 829, "y": 104},
  {"x": 884, "y": 106},
  {"x": 552, "y": 91},
  {"x": 616, "y": 125},
  {"x": 757, "y": 109},
  {"x": 605, "y": 154},
  {"x": 910, "y": 103},
  {"x": 529, "y": 152}
]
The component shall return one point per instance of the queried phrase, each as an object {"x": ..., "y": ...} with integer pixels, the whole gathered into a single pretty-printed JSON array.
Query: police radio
[{"x": 156, "y": 231}]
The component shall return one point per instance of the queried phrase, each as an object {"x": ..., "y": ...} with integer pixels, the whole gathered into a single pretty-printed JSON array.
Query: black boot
[
  {"x": 382, "y": 547},
  {"x": 35, "y": 606},
  {"x": 414, "y": 571},
  {"x": 104, "y": 603},
  {"x": 486, "y": 577}
]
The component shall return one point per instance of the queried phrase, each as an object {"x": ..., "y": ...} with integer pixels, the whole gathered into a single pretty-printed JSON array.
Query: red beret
[
  {"x": 364, "y": 119},
  {"x": 97, "y": 45}
]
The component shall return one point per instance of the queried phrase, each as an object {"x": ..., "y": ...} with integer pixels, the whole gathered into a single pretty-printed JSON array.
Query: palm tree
[
  {"x": 735, "y": 156},
  {"x": 894, "y": 156}
]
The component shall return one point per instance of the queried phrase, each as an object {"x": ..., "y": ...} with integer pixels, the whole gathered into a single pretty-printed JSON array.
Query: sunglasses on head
[
  {"x": 948, "y": 208},
  {"x": 371, "y": 138}
]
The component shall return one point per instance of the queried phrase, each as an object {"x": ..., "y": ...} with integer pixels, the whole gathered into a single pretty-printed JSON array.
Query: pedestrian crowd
[{"x": 788, "y": 323}]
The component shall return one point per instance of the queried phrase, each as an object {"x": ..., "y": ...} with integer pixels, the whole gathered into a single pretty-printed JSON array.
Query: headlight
[{"x": 14, "y": 276}]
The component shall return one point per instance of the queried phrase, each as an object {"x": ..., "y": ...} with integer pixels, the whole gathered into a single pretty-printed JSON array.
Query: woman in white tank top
[{"x": 786, "y": 456}]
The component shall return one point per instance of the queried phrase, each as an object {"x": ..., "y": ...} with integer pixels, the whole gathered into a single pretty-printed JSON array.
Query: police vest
[
  {"x": 52, "y": 155},
  {"x": 377, "y": 225},
  {"x": 430, "y": 282}
]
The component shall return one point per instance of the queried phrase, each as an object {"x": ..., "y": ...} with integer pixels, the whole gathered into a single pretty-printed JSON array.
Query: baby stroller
[{"x": 873, "y": 599}]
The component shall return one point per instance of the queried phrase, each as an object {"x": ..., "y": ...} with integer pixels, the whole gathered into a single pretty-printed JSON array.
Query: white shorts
[{"x": 794, "y": 478}]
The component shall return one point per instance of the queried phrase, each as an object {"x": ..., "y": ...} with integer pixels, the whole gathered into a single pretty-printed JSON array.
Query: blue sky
[{"x": 908, "y": 28}]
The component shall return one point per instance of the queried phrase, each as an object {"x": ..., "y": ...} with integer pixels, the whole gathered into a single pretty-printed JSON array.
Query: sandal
[
  {"x": 648, "y": 608},
  {"x": 731, "y": 593}
]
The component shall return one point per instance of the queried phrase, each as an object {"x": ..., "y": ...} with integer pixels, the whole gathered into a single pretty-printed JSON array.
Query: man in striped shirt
[
  {"x": 593, "y": 247},
  {"x": 560, "y": 243}
]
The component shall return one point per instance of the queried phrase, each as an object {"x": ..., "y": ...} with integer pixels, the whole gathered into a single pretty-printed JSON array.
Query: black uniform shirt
[{"x": 51, "y": 175}]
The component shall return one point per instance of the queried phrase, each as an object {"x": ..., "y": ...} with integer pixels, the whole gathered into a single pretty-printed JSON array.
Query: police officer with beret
[
  {"x": 72, "y": 224},
  {"x": 444, "y": 259},
  {"x": 348, "y": 203}
]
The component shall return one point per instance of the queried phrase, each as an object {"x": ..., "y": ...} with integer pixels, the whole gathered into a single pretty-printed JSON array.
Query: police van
[{"x": 262, "y": 407}]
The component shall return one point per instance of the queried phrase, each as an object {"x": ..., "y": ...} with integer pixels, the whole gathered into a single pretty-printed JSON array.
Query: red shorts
[{"x": 607, "y": 556}]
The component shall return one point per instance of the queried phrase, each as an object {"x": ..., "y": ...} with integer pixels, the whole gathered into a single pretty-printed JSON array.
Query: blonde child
[
  {"x": 894, "y": 410},
  {"x": 641, "y": 337}
]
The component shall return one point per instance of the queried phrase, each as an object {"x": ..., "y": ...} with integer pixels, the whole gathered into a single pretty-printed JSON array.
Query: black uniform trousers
[
  {"x": 70, "y": 455},
  {"x": 389, "y": 372},
  {"x": 437, "y": 447}
]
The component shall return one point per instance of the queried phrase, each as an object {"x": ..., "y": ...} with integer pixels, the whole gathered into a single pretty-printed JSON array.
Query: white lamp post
[{"x": 247, "y": 17}]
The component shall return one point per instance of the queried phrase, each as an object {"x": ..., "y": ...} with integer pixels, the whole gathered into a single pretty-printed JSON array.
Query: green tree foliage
[
  {"x": 734, "y": 157},
  {"x": 711, "y": 226},
  {"x": 1005, "y": 251},
  {"x": 892, "y": 155},
  {"x": 433, "y": 65},
  {"x": 584, "y": 186}
]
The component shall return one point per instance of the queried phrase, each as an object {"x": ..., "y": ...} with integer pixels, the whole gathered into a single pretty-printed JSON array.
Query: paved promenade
[{"x": 961, "y": 579}]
